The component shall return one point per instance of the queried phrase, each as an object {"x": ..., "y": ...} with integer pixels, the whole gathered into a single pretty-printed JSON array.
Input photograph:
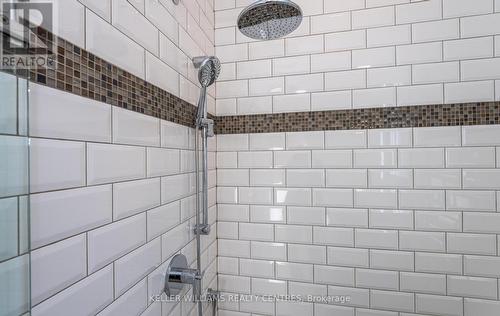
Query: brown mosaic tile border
[
  {"x": 82, "y": 73},
  {"x": 391, "y": 117}
]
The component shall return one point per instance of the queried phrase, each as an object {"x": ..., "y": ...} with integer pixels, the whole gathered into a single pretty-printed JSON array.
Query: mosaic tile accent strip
[{"x": 391, "y": 117}]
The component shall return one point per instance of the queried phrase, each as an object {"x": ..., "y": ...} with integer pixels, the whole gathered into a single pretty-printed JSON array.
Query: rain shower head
[
  {"x": 209, "y": 69},
  {"x": 270, "y": 19}
]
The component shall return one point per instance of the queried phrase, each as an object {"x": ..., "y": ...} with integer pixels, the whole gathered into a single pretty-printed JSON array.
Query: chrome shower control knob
[{"x": 179, "y": 274}]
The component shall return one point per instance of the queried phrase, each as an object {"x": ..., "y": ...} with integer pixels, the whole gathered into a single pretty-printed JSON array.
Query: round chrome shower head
[
  {"x": 270, "y": 19},
  {"x": 209, "y": 69}
]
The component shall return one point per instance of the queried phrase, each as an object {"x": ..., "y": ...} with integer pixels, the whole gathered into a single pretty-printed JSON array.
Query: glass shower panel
[{"x": 14, "y": 206}]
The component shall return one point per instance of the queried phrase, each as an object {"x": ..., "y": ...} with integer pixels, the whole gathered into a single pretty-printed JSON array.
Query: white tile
[
  {"x": 481, "y": 47},
  {"x": 421, "y": 158},
  {"x": 343, "y": 41},
  {"x": 481, "y": 266},
  {"x": 57, "y": 266},
  {"x": 255, "y": 195},
  {"x": 373, "y": 57},
  {"x": 479, "y": 25},
  {"x": 470, "y": 201},
  {"x": 437, "y": 179},
  {"x": 294, "y": 271},
  {"x": 391, "y": 219},
  {"x": 376, "y": 279},
  {"x": 112, "y": 163},
  {"x": 174, "y": 135},
  {"x": 227, "y": 195},
  {"x": 422, "y": 241},
  {"x": 254, "y": 69},
  {"x": 327, "y": 23},
  {"x": 233, "y": 177},
  {"x": 229, "y": 283},
  {"x": 380, "y": 97},
  {"x": 333, "y": 275},
  {"x": 370, "y": 18},
  {"x": 292, "y": 103},
  {"x": 379, "y": 138},
  {"x": 481, "y": 307},
  {"x": 359, "y": 297},
  {"x": 234, "y": 248},
  {"x": 164, "y": 21},
  {"x": 435, "y": 73},
  {"x": 132, "y": 301},
  {"x": 473, "y": 244},
  {"x": 437, "y": 137},
  {"x": 297, "y": 197},
  {"x": 267, "y": 214},
  {"x": 304, "y": 45},
  {"x": 232, "y": 142},
  {"x": 472, "y": 287},
  {"x": 487, "y": 179},
  {"x": 176, "y": 187},
  {"x": 268, "y": 287},
  {"x": 305, "y": 140},
  {"x": 56, "y": 165},
  {"x": 339, "y": 5},
  {"x": 256, "y": 232},
  {"x": 136, "y": 265},
  {"x": 227, "y": 230},
  {"x": 162, "y": 218},
  {"x": 419, "y": 53},
  {"x": 480, "y": 69},
  {"x": 345, "y": 139},
  {"x": 294, "y": 234},
  {"x": 331, "y": 62},
  {"x": 390, "y": 178},
  {"x": 419, "y": 12},
  {"x": 337, "y": 100},
  {"x": 392, "y": 260},
  {"x": 232, "y": 89},
  {"x": 305, "y": 178},
  {"x": 307, "y": 254},
  {"x": 266, "y": 49},
  {"x": 438, "y": 221},
  {"x": 333, "y": 197},
  {"x": 291, "y": 65},
  {"x": 103, "y": 8},
  {"x": 161, "y": 162},
  {"x": 423, "y": 283},
  {"x": 135, "y": 129},
  {"x": 292, "y": 159},
  {"x": 225, "y": 36},
  {"x": 350, "y": 257},
  {"x": 481, "y": 222},
  {"x": 434, "y": 304},
  {"x": 263, "y": 159},
  {"x": 422, "y": 199},
  {"x": 390, "y": 76},
  {"x": 378, "y": 239},
  {"x": 332, "y": 159},
  {"x": 333, "y": 236},
  {"x": 268, "y": 251},
  {"x": 398, "y": 301},
  {"x": 235, "y": 213},
  {"x": 438, "y": 263},
  {"x": 481, "y": 135},
  {"x": 311, "y": 7},
  {"x": 420, "y": 95},
  {"x": 267, "y": 178},
  {"x": 389, "y": 35},
  {"x": 89, "y": 296},
  {"x": 266, "y": 86},
  {"x": 275, "y": 141},
  {"x": 14, "y": 165},
  {"x": 343, "y": 217},
  {"x": 435, "y": 31},
  {"x": 112, "y": 241},
  {"x": 285, "y": 308},
  {"x": 460, "y": 8},
  {"x": 130, "y": 198},
  {"x": 304, "y": 83},
  {"x": 107, "y": 42},
  {"x": 68, "y": 116},
  {"x": 232, "y": 53},
  {"x": 343, "y": 80},
  {"x": 375, "y": 158},
  {"x": 346, "y": 178}
]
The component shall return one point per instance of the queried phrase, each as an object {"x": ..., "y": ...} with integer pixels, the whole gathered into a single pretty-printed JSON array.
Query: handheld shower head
[{"x": 209, "y": 69}]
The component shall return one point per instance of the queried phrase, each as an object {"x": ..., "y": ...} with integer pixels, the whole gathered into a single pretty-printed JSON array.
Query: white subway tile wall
[
  {"x": 344, "y": 54},
  {"x": 401, "y": 221},
  {"x": 110, "y": 206}
]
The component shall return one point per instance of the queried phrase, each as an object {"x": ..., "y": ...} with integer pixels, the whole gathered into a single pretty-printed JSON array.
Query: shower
[
  {"x": 269, "y": 19},
  {"x": 178, "y": 272}
]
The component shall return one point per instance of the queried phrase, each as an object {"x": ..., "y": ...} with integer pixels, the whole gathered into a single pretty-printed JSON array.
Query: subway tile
[
  {"x": 437, "y": 137},
  {"x": 343, "y": 80},
  {"x": 470, "y": 201},
  {"x": 375, "y": 198},
  {"x": 392, "y": 260},
  {"x": 89, "y": 295},
  {"x": 375, "y": 17},
  {"x": 462, "y": 8},
  {"x": 471, "y": 244},
  {"x": 350, "y": 257},
  {"x": 391, "y": 219},
  {"x": 331, "y": 159},
  {"x": 422, "y": 241},
  {"x": 293, "y": 196},
  {"x": 477, "y": 157},
  {"x": 232, "y": 142},
  {"x": 359, "y": 297},
  {"x": 389, "y": 35},
  {"x": 253, "y": 69},
  {"x": 379, "y": 97},
  {"x": 268, "y": 287},
  {"x": 342, "y": 41},
  {"x": 57, "y": 266},
  {"x": 437, "y": 179},
  {"x": 307, "y": 254},
  {"x": 232, "y": 53},
  {"x": 480, "y": 69},
  {"x": 436, "y": 73},
  {"x": 267, "y": 178},
  {"x": 233, "y": 177},
  {"x": 398, "y": 301},
  {"x": 270, "y": 141},
  {"x": 293, "y": 308},
  {"x": 130, "y": 198},
  {"x": 379, "y": 138},
  {"x": 268, "y": 251},
  {"x": 102, "y": 8},
  {"x": 333, "y": 236},
  {"x": 294, "y": 271},
  {"x": 331, "y": 62},
  {"x": 438, "y": 221},
  {"x": 56, "y": 165},
  {"x": 472, "y": 287},
  {"x": 174, "y": 135},
  {"x": 300, "y": 84},
  {"x": 480, "y": 135},
  {"x": 266, "y": 49},
  {"x": 419, "y": 53},
  {"x": 474, "y": 91},
  {"x": 346, "y": 178},
  {"x": 255, "y": 268},
  {"x": 91, "y": 208},
  {"x": 377, "y": 239},
  {"x": 419, "y": 12},
  {"x": 225, "y": 36},
  {"x": 233, "y": 213},
  {"x": 298, "y": 288},
  {"x": 423, "y": 283},
  {"x": 112, "y": 163},
  {"x": 110, "y": 242},
  {"x": 421, "y": 158},
  {"x": 306, "y": 215},
  {"x": 259, "y": 232},
  {"x": 132, "y": 301},
  {"x": 481, "y": 307},
  {"x": 332, "y": 197},
  {"x": 439, "y": 305},
  {"x": 390, "y": 178},
  {"x": 333, "y": 275},
  {"x": 232, "y": 89},
  {"x": 162, "y": 162},
  {"x": 266, "y": 86},
  {"x": 327, "y": 23},
  {"x": 344, "y": 217},
  {"x": 486, "y": 179},
  {"x": 291, "y": 65},
  {"x": 422, "y": 199},
  {"x": 67, "y": 116},
  {"x": 377, "y": 279},
  {"x": 293, "y": 234},
  {"x": 375, "y": 158},
  {"x": 255, "y": 196},
  {"x": 486, "y": 266},
  {"x": 389, "y": 76},
  {"x": 305, "y": 140},
  {"x": 345, "y": 139},
  {"x": 336, "y": 100},
  {"x": 233, "y": 248},
  {"x": 481, "y": 47},
  {"x": 481, "y": 222},
  {"x": 304, "y": 45},
  {"x": 374, "y": 57},
  {"x": 448, "y": 29},
  {"x": 163, "y": 218},
  {"x": 227, "y": 195},
  {"x": 292, "y": 159},
  {"x": 235, "y": 284},
  {"x": 177, "y": 238},
  {"x": 226, "y": 230},
  {"x": 176, "y": 187},
  {"x": 339, "y": 5}
]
